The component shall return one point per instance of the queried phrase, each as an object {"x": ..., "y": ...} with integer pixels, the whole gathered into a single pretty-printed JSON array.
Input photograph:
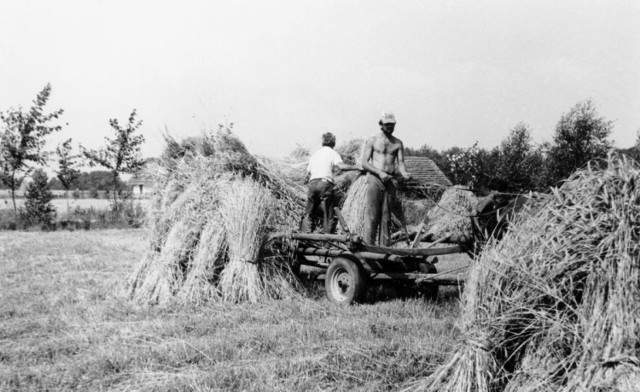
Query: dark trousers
[
  {"x": 381, "y": 201},
  {"x": 319, "y": 198}
]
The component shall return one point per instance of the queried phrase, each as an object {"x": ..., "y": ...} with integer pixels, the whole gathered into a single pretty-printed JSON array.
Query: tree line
[
  {"x": 516, "y": 165},
  {"x": 519, "y": 165},
  {"x": 86, "y": 181}
]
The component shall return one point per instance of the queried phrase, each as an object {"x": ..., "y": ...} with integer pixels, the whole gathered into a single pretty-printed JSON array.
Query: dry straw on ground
[
  {"x": 555, "y": 305},
  {"x": 195, "y": 244}
]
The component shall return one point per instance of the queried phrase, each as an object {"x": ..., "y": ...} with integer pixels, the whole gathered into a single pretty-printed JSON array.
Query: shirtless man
[{"x": 381, "y": 153}]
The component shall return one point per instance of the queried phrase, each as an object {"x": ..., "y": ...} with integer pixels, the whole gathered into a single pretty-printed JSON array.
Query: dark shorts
[
  {"x": 381, "y": 201},
  {"x": 319, "y": 199}
]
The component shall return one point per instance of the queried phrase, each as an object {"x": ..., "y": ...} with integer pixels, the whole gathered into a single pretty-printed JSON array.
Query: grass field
[{"x": 63, "y": 326}]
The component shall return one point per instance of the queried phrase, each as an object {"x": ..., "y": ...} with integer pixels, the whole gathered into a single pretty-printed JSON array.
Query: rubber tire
[{"x": 343, "y": 271}]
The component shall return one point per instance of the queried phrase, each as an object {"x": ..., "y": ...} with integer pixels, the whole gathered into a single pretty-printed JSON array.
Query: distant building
[
  {"x": 141, "y": 184},
  {"x": 425, "y": 172}
]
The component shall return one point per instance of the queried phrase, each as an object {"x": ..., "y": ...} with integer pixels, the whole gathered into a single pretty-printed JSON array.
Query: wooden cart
[{"x": 349, "y": 266}]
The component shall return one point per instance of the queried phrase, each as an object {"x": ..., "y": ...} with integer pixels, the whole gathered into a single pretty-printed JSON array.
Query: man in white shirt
[{"x": 321, "y": 183}]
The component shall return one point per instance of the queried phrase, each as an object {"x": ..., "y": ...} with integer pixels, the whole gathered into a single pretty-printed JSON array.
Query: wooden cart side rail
[
  {"x": 453, "y": 239},
  {"x": 311, "y": 251},
  {"x": 371, "y": 262},
  {"x": 430, "y": 237},
  {"x": 369, "y": 249},
  {"x": 379, "y": 255},
  {"x": 444, "y": 279},
  {"x": 344, "y": 238}
]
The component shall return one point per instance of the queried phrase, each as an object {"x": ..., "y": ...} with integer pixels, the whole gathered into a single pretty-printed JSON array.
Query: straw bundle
[
  {"x": 189, "y": 239},
  {"x": 244, "y": 211},
  {"x": 554, "y": 305},
  {"x": 451, "y": 215},
  {"x": 354, "y": 208},
  {"x": 201, "y": 281}
]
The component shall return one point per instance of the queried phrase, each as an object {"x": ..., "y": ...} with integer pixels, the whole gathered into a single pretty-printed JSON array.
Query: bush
[
  {"x": 128, "y": 215},
  {"x": 38, "y": 208},
  {"x": 9, "y": 220}
]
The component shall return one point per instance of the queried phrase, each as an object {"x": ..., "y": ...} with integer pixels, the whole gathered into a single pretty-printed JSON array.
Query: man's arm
[
  {"x": 340, "y": 165},
  {"x": 401, "y": 167},
  {"x": 344, "y": 167},
  {"x": 367, "y": 155}
]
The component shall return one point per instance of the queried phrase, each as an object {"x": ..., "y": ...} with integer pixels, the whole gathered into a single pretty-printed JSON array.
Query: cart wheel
[
  {"x": 429, "y": 290},
  {"x": 345, "y": 282}
]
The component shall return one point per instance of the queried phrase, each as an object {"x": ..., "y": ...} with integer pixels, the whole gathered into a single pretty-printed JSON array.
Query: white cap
[{"x": 388, "y": 118}]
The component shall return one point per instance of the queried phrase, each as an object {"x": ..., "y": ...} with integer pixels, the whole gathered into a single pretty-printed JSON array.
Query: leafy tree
[
  {"x": 22, "y": 140},
  {"x": 97, "y": 179},
  {"x": 67, "y": 172},
  {"x": 465, "y": 165},
  {"x": 580, "y": 136},
  {"x": 121, "y": 154},
  {"x": 424, "y": 151},
  {"x": 487, "y": 167},
  {"x": 446, "y": 165},
  {"x": 519, "y": 162},
  {"x": 37, "y": 206}
]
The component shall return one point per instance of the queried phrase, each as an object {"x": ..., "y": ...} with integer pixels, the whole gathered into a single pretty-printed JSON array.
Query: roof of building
[{"x": 425, "y": 171}]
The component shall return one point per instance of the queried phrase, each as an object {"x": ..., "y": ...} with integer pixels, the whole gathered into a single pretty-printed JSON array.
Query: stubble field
[{"x": 64, "y": 326}]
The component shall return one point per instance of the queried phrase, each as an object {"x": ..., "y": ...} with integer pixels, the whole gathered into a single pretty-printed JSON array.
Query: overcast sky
[{"x": 284, "y": 72}]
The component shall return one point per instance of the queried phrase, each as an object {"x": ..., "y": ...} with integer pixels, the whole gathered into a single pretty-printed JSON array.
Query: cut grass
[{"x": 63, "y": 328}]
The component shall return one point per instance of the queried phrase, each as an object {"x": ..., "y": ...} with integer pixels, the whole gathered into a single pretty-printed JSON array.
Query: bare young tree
[
  {"x": 121, "y": 154},
  {"x": 22, "y": 140},
  {"x": 67, "y": 172}
]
